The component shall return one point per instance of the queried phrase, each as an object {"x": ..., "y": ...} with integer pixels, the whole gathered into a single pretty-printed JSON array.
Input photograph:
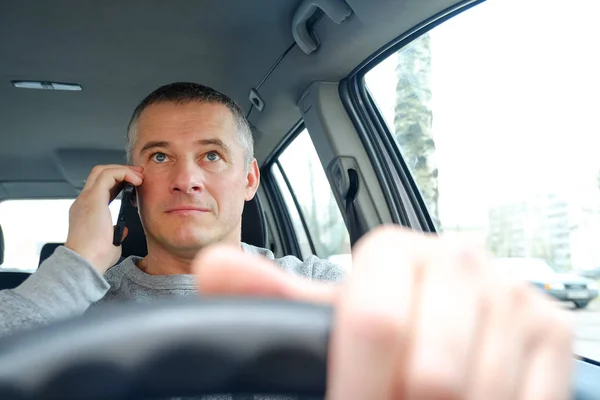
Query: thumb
[
  {"x": 125, "y": 233},
  {"x": 224, "y": 270}
]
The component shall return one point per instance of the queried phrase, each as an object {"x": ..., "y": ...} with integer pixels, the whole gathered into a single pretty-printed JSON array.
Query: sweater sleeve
[{"x": 64, "y": 285}]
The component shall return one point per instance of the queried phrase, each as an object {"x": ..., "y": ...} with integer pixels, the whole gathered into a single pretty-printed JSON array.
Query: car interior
[{"x": 73, "y": 71}]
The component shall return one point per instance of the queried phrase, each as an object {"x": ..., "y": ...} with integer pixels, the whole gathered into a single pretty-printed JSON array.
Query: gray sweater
[{"x": 66, "y": 285}]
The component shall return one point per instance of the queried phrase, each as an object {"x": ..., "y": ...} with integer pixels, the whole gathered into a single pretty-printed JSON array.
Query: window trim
[
  {"x": 297, "y": 205},
  {"x": 404, "y": 39},
  {"x": 404, "y": 199},
  {"x": 355, "y": 107},
  {"x": 283, "y": 220}
]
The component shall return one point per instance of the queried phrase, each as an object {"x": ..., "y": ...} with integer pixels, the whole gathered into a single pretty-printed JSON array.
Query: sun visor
[{"x": 76, "y": 164}]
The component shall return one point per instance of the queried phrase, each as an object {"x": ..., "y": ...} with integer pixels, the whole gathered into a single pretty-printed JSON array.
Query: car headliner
[{"x": 119, "y": 51}]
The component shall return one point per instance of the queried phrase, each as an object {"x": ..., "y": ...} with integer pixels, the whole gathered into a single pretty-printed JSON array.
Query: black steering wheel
[{"x": 184, "y": 347}]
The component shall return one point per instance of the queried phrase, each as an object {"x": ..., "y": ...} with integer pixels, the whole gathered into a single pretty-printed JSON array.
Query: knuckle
[
  {"x": 431, "y": 381},
  {"x": 553, "y": 324},
  {"x": 388, "y": 234},
  {"x": 76, "y": 204},
  {"x": 518, "y": 294},
  {"x": 492, "y": 382},
  {"x": 384, "y": 243},
  {"x": 97, "y": 170},
  {"x": 508, "y": 296},
  {"x": 562, "y": 328},
  {"x": 373, "y": 326},
  {"x": 469, "y": 260}
]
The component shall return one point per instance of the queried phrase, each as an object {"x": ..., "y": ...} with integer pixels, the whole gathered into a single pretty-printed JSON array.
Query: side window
[
  {"x": 315, "y": 214},
  {"x": 29, "y": 224},
  {"x": 298, "y": 224},
  {"x": 499, "y": 129}
]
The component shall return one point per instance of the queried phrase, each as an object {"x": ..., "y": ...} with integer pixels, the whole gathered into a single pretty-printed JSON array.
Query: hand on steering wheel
[{"x": 420, "y": 318}]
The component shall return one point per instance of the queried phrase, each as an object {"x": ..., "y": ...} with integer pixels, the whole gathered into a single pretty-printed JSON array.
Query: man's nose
[{"x": 187, "y": 177}]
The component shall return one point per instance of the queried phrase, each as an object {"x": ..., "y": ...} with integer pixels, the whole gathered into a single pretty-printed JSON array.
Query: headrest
[
  {"x": 135, "y": 242},
  {"x": 12, "y": 279},
  {"x": 1, "y": 246},
  {"x": 254, "y": 229},
  {"x": 47, "y": 251},
  {"x": 254, "y": 223}
]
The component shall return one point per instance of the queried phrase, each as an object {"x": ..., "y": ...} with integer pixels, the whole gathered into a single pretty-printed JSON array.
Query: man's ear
[{"x": 252, "y": 180}]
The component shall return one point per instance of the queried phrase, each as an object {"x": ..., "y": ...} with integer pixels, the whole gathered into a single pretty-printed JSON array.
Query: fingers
[
  {"x": 124, "y": 236},
  {"x": 223, "y": 270},
  {"x": 418, "y": 318},
  {"x": 373, "y": 317},
  {"x": 424, "y": 318},
  {"x": 446, "y": 324},
  {"x": 108, "y": 178},
  {"x": 90, "y": 224},
  {"x": 497, "y": 369},
  {"x": 549, "y": 366}
]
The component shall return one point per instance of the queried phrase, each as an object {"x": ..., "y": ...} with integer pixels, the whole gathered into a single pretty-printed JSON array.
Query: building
[{"x": 540, "y": 227}]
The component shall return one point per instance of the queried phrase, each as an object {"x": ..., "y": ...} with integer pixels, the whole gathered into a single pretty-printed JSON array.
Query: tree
[
  {"x": 541, "y": 246},
  {"x": 500, "y": 240},
  {"x": 413, "y": 119}
]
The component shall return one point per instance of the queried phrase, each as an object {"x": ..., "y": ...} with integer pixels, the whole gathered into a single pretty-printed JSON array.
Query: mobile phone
[{"x": 120, "y": 226}]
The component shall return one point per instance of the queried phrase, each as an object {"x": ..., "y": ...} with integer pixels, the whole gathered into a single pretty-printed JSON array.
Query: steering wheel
[{"x": 184, "y": 347}]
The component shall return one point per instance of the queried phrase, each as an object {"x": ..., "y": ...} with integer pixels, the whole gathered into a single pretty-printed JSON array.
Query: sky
[{"x": 515, "y": 88}]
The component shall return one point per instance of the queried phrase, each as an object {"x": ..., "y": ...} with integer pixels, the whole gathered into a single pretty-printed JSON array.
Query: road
[{"x": 587, "y": 331}]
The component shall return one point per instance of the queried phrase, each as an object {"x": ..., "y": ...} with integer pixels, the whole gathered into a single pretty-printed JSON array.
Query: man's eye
[
  {"x": 213, "y": 156},
  {"x": 159, "y": 157}
]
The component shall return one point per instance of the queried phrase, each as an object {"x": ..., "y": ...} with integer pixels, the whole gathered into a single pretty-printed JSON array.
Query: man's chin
[
  {"x": 186, "y": 250},
  {"x": 191, "y": 243},
  {"x": 185, "y": 239}
]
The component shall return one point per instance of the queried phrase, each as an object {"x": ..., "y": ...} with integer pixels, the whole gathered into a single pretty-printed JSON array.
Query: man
[
  {"x": 190, "y": 151},
  {"x": 424, "y": 318}
]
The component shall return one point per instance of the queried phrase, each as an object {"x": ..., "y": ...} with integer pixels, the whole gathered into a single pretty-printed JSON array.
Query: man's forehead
[
  {"x": 190, "y": 124},
  {"x": 192, "y": 112}
]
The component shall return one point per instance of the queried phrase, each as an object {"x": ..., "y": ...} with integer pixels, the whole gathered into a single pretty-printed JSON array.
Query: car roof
[{"x": 119, "y": 51}]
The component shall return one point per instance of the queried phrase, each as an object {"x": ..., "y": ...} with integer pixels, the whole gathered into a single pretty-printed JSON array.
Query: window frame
[
  {"x": 289, "y": 187},
  {"x": 285, "y": 227},
  {"x": 404, "y": 199}
]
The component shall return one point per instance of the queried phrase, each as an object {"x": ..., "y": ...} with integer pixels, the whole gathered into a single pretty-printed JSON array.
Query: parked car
[
  {"x": 567, "y": 287},
  {"x": 593, "y": 273}
]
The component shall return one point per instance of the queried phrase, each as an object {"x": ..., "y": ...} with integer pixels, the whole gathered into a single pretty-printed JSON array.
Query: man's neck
[{"x": 160, "y": 261}]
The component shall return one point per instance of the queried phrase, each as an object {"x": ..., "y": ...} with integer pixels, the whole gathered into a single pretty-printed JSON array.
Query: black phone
[{"x": 128, "y": 191}]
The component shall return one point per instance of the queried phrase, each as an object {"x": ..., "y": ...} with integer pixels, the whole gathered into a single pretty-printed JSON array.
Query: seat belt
[{"x": 351, "y": 212}]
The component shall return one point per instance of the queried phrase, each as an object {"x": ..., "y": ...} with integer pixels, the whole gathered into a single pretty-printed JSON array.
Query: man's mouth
[{"x": 187, "y": 210}]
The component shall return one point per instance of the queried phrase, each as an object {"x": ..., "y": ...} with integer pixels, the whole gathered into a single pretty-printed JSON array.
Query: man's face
[{"x": 195, "y": 176}]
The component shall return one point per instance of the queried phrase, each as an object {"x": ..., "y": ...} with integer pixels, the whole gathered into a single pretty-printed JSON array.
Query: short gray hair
[{"x": 186, "y": 92}]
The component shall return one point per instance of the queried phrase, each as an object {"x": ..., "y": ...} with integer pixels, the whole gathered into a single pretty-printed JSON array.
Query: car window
[
  {"x": 495, "y": 114},
  {"x": 29, "y": 224},
  {"x": 309, "y": 185},
  {"x": 296, "y": 218}
]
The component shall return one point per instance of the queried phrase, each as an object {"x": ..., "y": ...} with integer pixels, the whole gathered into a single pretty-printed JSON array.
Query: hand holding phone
[{"x": 120, "y": 226}]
